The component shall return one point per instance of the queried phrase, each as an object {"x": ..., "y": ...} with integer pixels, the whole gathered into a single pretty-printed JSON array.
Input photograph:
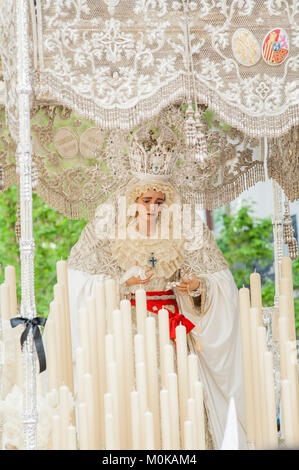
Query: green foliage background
[
  {"x": 54, "y": 237},
  {"x": 245, "y": 241}
]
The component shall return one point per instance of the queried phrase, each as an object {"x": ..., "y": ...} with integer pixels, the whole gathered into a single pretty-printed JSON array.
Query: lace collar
[{"x": 169, "y": 253}]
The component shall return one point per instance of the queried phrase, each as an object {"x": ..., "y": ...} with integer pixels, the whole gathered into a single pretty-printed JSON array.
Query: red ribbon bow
[{"x": 175, "y": 318}]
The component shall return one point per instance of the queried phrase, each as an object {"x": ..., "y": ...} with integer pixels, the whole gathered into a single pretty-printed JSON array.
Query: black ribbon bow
[{"x": 33, "y": 323}]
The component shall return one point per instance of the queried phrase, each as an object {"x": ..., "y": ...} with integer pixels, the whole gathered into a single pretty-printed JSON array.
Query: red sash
[{"x": 154, "y": 305}]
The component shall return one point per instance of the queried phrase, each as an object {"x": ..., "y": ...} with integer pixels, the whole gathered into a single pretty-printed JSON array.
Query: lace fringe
[
  {"x": 9, "y": 177},
  {"x": 86, "y": 209},
  {"x": 173, "y": 92},
  {"x": 72, "y": 209},
  {"x": 291, "y": 188},
  {"x": 225, "y": 194}
]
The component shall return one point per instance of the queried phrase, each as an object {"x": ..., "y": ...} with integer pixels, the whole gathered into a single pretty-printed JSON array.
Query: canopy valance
[
  {"x": 77, "y": 164},
  {"x": 119, "y": 63}
]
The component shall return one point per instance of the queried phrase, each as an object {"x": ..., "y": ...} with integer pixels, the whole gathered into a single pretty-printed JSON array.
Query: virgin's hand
[
  {"x": 136, "y": 279},
  {"x": 187, "y": 285}
]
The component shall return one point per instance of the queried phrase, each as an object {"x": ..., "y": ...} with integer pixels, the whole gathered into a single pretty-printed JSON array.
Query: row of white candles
[
  {"x": 8, "y": 310},
  {"x": 58, "y": 328},
  {"x": 119, "y": 403},
  {"x": 261, "y": 419},
  {"x": 140, "y": 417},
  {"x": 118, "y": 379},
  {"x": 58, "y": 333},
  {"x": 288, "y": 357},
  {"x": 64, "y": 436}
]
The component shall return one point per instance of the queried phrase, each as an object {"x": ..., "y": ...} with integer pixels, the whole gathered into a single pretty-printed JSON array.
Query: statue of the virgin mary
[{"x": 187, "y": 275}]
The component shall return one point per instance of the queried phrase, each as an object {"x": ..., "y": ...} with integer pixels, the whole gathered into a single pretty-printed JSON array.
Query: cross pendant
[{"x": 153, "y": 260}]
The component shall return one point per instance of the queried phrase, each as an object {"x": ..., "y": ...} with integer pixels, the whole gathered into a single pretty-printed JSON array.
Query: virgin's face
[{"x": 151, "y": 202}]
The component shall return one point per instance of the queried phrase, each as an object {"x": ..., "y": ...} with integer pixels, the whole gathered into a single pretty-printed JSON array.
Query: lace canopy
[{"x": 119, "y": 62}]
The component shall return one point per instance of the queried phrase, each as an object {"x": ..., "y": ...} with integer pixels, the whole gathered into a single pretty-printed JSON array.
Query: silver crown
[{"x": 153, "y": 153}]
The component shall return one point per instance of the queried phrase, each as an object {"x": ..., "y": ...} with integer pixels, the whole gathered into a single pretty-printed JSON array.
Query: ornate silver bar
[
  {"x": 24, "y": 155},
  {"x": 277, "y": 222}
]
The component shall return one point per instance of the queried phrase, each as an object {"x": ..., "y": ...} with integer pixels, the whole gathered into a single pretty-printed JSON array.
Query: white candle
[
  {"x": 163, "y": 319},
  {"x": 139, "y": 348},
  {"x": 200, "y": 416},
  {"x": 50, "y": 336},
  {"x": 109, "y": 432},
  {"x": 55, "y": 315},
  {"x": 18, "y": 361},
  {"x": 5, "y": 301},
  {"x": 165, "y": 420},
  {"x": 101, "y": 331},
  {"x": 93, "y": 344},
  {"x": 119, "y": 355},
  {"x": 247, "y": 363},
  {"x": 135, "y": 419},
  {"x": 149, "y": 431},
  {"x": 113, "y": 388},
  {"x": 191, "y": 413},
  {"x": 275, "y": 317},
  {"x": 141, "y": 385},
  {"x": 286, "y": 290},
  {"x": 283, "y": 338},
  {"x": 181, "y": 342},
  {"x": 141, "y": 311},
  {"x": 272, "y": 442},
  {"x": 125, "y": 308},
  {"x": 101, "y": 302},
  {"x": 192, "y": 372},
  {"x": 62, "y": 279},
  {"x": 287, "y": 413},
  {"x": 94, "y": 356},
  {"x": 110, "y": 295},
  {"x": 168, "y": 359},
  {"x": 262, "y": 347},
  {"x": 109, "y": 349},
  {"x": 64, "y": 413},
  {"x": 152, "y": 374},
  {"x": 60, "y": 299},
  {"x": 173, "y": 397},
  {"x": 83, "y": 427},
  {"x": 56, "y": 430},
  {"x": 108, "y": 403},
  {"x": 283, "y": 306},
  {"x": 256, "y": 294},
  {"x": 52, "y": 398},
  {"x": 254, "y": 322},
  {"x": 292, "y": 375},
  {"x": 188, "y": 436},
  {"x": 89, "y": 400},
  {"x": 286, "y": 272},
  {"x": 80, "y": 371},
  {"x": 10, "y": 279},
  {"x": 84, "y": 338},
  {"x": 71, "y": 438}
]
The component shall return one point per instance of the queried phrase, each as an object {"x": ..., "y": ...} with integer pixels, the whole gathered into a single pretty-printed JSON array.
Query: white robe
[{"x": 220, "y": 360}]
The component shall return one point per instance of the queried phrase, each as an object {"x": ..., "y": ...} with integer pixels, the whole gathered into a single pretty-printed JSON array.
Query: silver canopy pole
[{"x": 24, "y": 156}]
